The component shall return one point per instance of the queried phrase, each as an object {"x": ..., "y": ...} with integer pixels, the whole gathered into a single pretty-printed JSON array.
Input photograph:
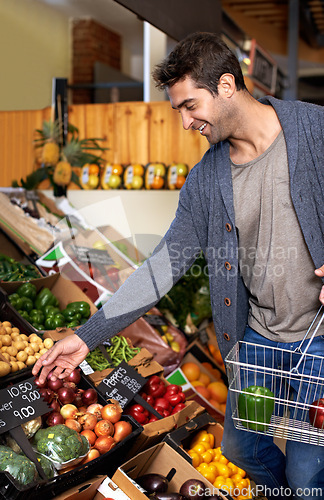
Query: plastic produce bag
[
  {"x": 62, "y": 445},
  {"x": 19, "y": 467}
]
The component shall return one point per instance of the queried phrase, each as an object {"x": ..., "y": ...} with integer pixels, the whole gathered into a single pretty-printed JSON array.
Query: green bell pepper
[
  {"x": 45, "y": 298},
  {"x": 80, "y": 307},
  {"x": 27, "y": 290},
  {"x": 55, "y": 321},
  {"x": 24, "y": 314},
  {"x": 26, "y": 304},
  {"x": 36, "y": 316},
  {"x": 15, "y": 301},
  {"x": 256, "y": 405},
  {"x": 73, "y": 323},
  {"x": 38, "y": 326}
]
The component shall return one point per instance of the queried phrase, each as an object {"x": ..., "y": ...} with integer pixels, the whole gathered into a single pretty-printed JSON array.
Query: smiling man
[{"x": 254, "y": 205}]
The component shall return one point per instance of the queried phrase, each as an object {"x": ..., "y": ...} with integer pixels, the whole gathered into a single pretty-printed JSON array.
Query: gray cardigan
[{"x": 205, "y": 220}]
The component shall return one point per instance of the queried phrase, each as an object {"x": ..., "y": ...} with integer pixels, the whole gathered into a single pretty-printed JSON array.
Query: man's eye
[{"x": 190, "y": 108}]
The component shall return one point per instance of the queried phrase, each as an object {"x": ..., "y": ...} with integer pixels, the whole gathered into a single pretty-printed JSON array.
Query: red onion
[
  {"x": 74, "y": 376},
  {"x": 89, "y": 396},
  {"x": 54, "y": 418},
  {"x": 39, "y": 384},
  {"x": 47, "y": 394},
  {"x": 55, "y": 405},
  {"x": 78, "y": 398},
  {"x": 66, "y": 395},
  {"x": 55, "y": 385},
  {"x": 71, "y": 385}
]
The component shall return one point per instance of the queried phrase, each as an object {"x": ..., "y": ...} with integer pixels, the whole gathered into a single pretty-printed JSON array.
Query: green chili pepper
[
  {"x": 27, "y": 290},
  {"x": 256, "y": 405}
]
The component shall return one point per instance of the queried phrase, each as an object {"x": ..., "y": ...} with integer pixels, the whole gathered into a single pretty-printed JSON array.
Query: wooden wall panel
[{"x": 134, "y": 132}]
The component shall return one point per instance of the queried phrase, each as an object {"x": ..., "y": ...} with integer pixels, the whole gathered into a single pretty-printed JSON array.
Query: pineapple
[
  {"x": 49, "y": 139},
  {"x": 62, "y": 173}
]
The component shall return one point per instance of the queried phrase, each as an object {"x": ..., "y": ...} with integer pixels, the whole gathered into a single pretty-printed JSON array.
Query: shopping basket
[{"x": 296, "y": 379}]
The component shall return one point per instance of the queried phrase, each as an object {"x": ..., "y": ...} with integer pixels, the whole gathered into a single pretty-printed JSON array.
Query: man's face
[{"x": 201, "y": 110}]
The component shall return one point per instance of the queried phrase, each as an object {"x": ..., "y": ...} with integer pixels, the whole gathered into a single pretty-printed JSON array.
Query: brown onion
[
  {"x": 69, "y": 411},
  {"x": 104, "y": 428},
  {"x": 95, "y": 409},
  {"x": 112, "y": 412},
  {"x": 88, "y": 421},
  {"x": 90, "y": 435},
  {"x": 104, "y": 444},
  {"x": 73, "y": 424},
  {"x": 122, "y": 429}
]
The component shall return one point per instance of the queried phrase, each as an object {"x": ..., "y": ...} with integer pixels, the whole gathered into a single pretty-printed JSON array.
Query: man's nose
[{"x": 187, "y": 121}]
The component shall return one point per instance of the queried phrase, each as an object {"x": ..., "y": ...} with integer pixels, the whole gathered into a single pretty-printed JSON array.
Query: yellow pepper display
[{"x": 215, "y": 467}]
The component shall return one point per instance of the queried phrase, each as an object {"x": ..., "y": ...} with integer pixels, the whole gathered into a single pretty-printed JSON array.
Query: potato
[
  {"x": 8, "y": 330},
  {"x": 4, "y": 348},
  {"x": 30, "y": 351},
  {"x": 19, "y": 345},
  {"x": 14, "y": 335},
  {"x": 23, "y": 336},
  {"x": 12, "y": 351},
  {"x": 14, "y": 366},
  {"x": 26, "y": 343},
  {"x": 37, "y": 355},
  {"x": 5, "y": 368},
  {"x": 35, "y": 346},
  {"x": 22, "y": 356},
  {"x": 21, "y": 365},
  {"x": 6, "y": 323},
  {"x": 42, "y": 351},
  {"x": 48, "y": 343},
  {"x": 6, "y": 355},
  {"x": 6, "y": 340},
  {"x": 15, "y": 329},
  {"x": 2, "y": 330},
  {"x": 31, "y": 360},
  {"x": 34, "y": 338}
]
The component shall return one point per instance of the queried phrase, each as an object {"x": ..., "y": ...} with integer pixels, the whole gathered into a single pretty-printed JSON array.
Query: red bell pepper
[
  {"x": 139, "y": 413},
  {"x": 148, "y": 398},
  {"x": 162, "y": 411},
  {"x": 163, "y": 403},
  {"x": 174, "y": 395},
  {"x": 177, "y": 408},
  {"x": 155, "y": 387}
]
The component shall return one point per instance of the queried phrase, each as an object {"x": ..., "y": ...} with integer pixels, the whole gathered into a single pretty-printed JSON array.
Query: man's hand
[
  {"x": 320, "y": 272},
  {"x": 62, "y": 358}
]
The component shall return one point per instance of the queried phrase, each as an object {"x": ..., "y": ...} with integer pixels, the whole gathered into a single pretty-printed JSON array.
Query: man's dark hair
[{"x": 202, "y": 56}]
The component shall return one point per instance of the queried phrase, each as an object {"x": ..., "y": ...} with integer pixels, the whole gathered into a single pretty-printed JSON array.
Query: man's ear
[{"x": 226, "y": 85}]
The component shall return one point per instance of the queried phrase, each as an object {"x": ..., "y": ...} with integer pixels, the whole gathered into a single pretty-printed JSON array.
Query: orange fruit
[
  {"x": 203, "y": 391},
  {"x": 197, "y": 383},
  {"x": 138, "y": 169},
  {"x": 157, "y": 182},
  {"x": 218, "y": 391},
  {"x": 180, "y": 181},
  {"x": 215, "y": 404},
  {"x": 218, "y": 357},
  {"x": 216, "y": 373},
  {"x": 204, "y": 378},
  {"x": 207, "y": 365},
  {"x": 93, "y": 169},
  {"x": 191, "y": 371},
  {"x": 117, "y": 169}
]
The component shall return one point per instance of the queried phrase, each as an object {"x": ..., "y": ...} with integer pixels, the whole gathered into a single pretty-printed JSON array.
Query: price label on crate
[
  {"x": 123, "y": 384},
  {"x": 93, "y": 255},
  {"x": 19, "y": 403}
]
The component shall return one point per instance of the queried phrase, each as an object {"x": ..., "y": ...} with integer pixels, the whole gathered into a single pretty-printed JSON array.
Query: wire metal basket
[{"x": 296, "y": 380}]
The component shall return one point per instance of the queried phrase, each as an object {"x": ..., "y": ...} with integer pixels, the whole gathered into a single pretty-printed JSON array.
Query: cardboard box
[
  {"x": 84, "y": 491},
  {"x": 180, "y": 439},
  {"x": 66, "y": 291},
  {"x": 179, "y": 378},
  {"x": 154, "y": 432},
  {"x": 160, "y": 458},
  {"x": 109, "y": 489}
]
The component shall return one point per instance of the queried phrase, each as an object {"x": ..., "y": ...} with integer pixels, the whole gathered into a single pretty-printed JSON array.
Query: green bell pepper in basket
[
  {"x": 27, "y": 290},
  {"x": 256, "y": 405}
]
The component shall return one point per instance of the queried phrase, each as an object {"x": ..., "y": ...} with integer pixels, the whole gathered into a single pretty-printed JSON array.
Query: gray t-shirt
[{"x": 274, "y": 260}]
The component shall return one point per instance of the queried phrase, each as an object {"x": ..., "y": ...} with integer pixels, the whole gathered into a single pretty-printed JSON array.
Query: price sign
[
  {"x": 122, "y": 384},
  {"x": 93, "y": 255},
  {"x": 263, "y": 69},
  {"x": 19, "y": 403}
]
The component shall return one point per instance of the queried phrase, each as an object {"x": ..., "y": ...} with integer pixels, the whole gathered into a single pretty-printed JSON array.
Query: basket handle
[{"x": 298, "y": 349}]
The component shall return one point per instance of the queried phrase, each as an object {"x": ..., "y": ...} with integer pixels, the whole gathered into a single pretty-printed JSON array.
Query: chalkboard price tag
[
  {"x": 155, "y": 320},
  {"x": 20, "y": 403},
  {"x": 122, "y": 384},
  {"x": 93, "y": 255}
]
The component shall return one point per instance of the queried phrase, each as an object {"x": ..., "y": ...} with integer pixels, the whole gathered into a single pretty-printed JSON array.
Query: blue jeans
[{"x": 299, "y": 473}]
